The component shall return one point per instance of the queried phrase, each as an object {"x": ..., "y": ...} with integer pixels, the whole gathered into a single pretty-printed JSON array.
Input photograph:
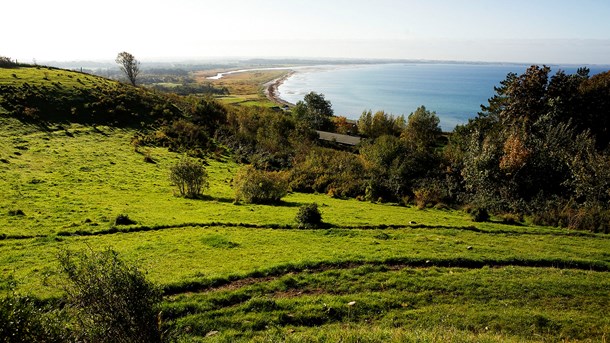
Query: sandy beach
[{"x": 271, "y": 88}]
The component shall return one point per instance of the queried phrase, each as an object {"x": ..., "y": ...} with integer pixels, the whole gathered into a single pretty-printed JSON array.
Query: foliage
[
  {"x": 191, "y": 89},
  {"x": 422, "y": 130},
  {"x": 309, "y": 216},
  {"x": 343, "y": 126},
  {"x": 190, "y": 177},
  {"x": 480, "y": 214},
  {"x": 24, "y": 319},
  {"x": 429, "y": 193},
  {"x": 129, "y": 65},
  {"x": 374, "y": 126},
  {"x": 314, "y": 111},
  {"x": 259, "y": 187},
  {"x": 537, "y": 139},
  {"x": 394, "y": 169},
  {"x": 209, "y": 114},
  {"x": 182, "y": 136},
  {"x": 7, "y": 62},
  {"x": 267, "y": 139},
  {"x": 336, "y": 173},
  {"x": 112, "y": 300}
]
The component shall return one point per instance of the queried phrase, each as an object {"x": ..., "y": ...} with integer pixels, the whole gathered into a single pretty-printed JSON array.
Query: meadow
[
  {"x": 245, "y": 89},
  {"x": 241, "y": 272}
]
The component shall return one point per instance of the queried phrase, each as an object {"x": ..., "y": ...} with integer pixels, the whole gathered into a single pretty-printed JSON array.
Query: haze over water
[{"x": 454, "y": 91}]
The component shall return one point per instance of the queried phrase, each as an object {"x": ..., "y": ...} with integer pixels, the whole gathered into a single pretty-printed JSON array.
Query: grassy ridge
[{"x": 44, "y": 95}]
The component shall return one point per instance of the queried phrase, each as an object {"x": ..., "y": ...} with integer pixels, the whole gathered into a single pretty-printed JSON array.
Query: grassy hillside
[
  {"x": 43, "y": 95},
  {"x": 230, "y": 272}
]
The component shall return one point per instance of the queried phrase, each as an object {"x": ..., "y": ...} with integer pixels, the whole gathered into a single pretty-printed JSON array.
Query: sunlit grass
[
  {"x": 381, "y": 304},
  {"x": 246, "y": 89},
  {"x": 44, "y": 76}
]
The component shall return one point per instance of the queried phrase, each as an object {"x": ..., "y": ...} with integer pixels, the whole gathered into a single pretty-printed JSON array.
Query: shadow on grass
[{"x": 205, "y": 197}]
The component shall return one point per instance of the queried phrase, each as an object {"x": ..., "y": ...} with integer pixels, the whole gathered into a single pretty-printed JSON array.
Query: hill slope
[{"x": 51, "y": 95}]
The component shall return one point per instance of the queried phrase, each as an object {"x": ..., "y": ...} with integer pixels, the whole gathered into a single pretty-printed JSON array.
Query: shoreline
[{"x": 271, "y": 90}]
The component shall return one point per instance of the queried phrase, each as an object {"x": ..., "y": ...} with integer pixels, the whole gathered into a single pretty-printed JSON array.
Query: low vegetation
[
  {"x": 309, "y": 216},
  {"x": 190, "y": 177},
  {"x": 259, "y": 187}
]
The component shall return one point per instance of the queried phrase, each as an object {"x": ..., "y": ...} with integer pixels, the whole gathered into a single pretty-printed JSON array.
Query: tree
[
  {"x": 315, "y": 111},
  {"x": 190, "y": 177},
  {"x": 129, "y": 65},
  {"x": 379, "y": 124},
  {"x": 422, "y": 130}
]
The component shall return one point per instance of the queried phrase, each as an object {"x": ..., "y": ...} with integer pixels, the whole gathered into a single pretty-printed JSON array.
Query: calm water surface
[{"x": 454, "y": 91}]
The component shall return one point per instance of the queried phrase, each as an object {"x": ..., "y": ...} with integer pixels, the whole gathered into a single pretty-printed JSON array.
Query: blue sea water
[{"x": 454, "y": 91}]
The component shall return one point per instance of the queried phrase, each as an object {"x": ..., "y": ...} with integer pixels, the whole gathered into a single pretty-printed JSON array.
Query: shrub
[
  {"x": 427, "y": 196},
  {"x": 479, "y": 214},
  {"x": 23, "y": 320},
  {"x": 123, "y": 219},
  {"x": 113, "y": 300},
  {"x": 337, "y": 173},
  {"x": 309, "y": 216},
  {"x": 259, "y": 187},
  {"x": 16, "y": 212},
  {"x": 511, "y": 218},
  {"x": 190, "y": 177}
]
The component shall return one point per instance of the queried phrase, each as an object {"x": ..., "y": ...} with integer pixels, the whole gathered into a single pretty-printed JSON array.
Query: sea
[{"x": 455, "y": 91}]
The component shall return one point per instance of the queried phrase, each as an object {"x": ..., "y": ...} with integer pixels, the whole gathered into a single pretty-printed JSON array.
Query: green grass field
[
  {"x": 246, "y": 89},
  {"x": 236, "y": 272}
]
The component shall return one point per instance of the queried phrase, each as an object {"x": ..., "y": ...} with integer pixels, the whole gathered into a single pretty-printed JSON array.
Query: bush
[
  {"x": 511, "y": 218},
  {"x": 259, "y": 187},
  {"x": 309, "y": 216},
  {"x": 480, "y": 214},
  {"x": 16, "y": 212},
  {"x": 190, "y": 177},
  {"x": 123, "y": 219},
  {"x": 113, "y": 300},
  {"x": 425, "y": 196},
  {"x": 6, "y": 62},
  {"x": 23, "y": 320}
]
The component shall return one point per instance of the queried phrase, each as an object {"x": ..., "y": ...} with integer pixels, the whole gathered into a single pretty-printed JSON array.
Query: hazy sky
[{"x": 532, "y": 31}]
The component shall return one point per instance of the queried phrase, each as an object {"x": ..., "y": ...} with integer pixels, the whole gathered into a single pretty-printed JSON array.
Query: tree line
[{"x": 539, "y": 148}]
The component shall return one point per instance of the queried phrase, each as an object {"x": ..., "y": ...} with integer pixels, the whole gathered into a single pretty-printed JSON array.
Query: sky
[{"x": 524, "y": 31}]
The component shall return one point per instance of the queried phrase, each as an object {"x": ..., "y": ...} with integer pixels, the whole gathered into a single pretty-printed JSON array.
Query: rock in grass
[{"x": 212, "y": 333}]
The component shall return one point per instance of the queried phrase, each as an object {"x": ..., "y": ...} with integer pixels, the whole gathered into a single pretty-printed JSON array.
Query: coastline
[{"x": 271, "y": 89}]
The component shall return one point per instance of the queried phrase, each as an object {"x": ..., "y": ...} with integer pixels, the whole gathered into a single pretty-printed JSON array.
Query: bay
[{"x": 455, "y": 91}]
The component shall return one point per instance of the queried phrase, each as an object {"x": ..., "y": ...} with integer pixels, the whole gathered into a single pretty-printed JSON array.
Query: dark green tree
[
  {"x": 422, "y": 130},
  {"x": 315, "y": 111}
]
